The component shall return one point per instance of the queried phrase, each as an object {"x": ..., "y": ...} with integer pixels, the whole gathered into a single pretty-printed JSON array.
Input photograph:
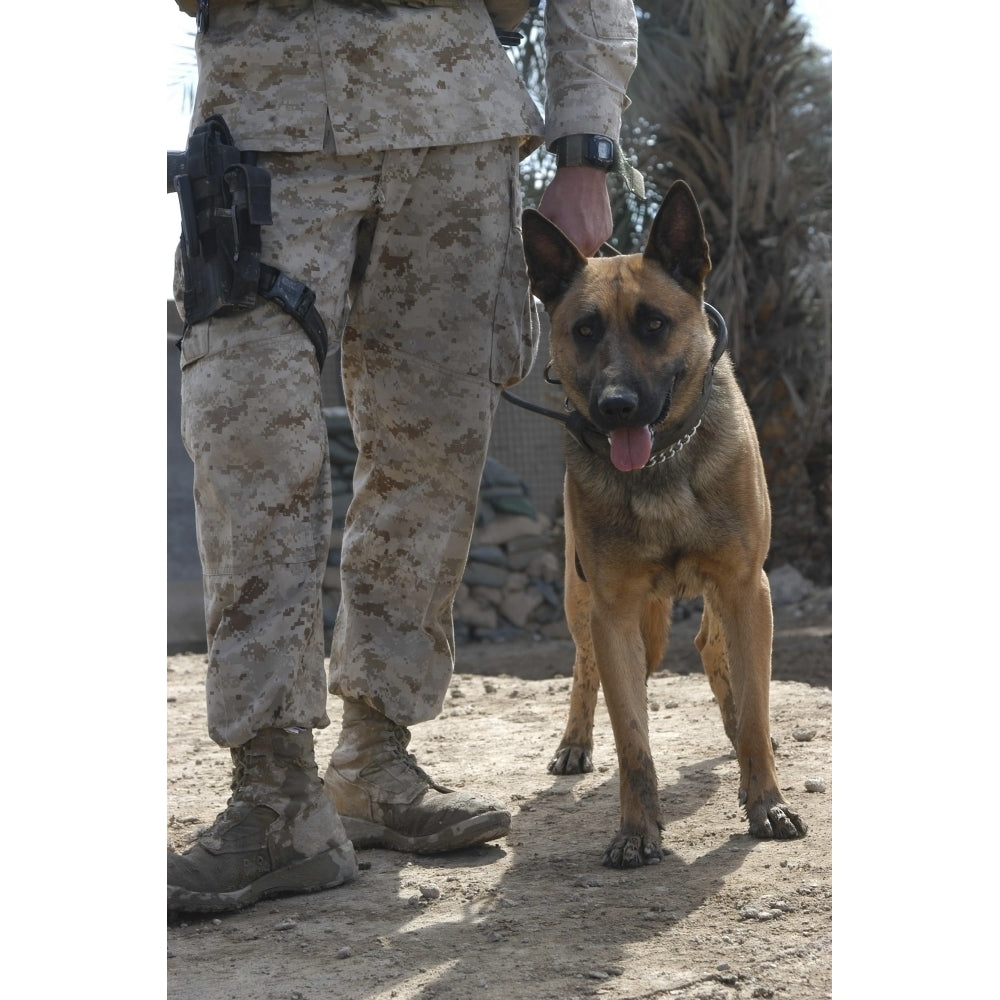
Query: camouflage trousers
[{"x": 439, "y": 320}]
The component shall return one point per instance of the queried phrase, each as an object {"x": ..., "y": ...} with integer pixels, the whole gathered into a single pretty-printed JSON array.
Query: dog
[{"x": 665, "y": 498}]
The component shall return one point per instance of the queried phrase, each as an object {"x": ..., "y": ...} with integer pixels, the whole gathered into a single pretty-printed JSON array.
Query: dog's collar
[{"x": 582, "y": 429}]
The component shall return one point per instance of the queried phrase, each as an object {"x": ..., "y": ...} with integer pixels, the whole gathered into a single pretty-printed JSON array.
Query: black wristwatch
[{"x": 584, "y": 151}]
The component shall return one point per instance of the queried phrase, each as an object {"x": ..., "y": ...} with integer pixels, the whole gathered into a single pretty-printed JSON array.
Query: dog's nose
[{"x": 617, "y": 402}]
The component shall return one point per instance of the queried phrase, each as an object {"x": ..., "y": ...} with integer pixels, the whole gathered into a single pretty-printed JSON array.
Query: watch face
[{"x": 604, "y": 150}]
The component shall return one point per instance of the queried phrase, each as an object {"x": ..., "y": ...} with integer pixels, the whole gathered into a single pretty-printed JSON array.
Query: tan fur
[{"x": 698, "y": 523}]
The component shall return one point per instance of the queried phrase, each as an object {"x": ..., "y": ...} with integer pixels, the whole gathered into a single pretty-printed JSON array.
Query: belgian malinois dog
[{"x": 665, "y": 498}]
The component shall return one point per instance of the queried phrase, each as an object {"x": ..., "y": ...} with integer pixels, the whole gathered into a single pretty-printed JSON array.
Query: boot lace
[{"x": 396, "y": 742}]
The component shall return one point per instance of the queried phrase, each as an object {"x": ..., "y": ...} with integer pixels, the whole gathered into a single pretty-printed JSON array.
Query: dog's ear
[
  {"x": 677, "y": 240},
  {"x": 553, "y": 259}
]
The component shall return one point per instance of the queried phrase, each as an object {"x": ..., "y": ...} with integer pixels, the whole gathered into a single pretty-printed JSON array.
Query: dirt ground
[{"x": 536, "y": 916}]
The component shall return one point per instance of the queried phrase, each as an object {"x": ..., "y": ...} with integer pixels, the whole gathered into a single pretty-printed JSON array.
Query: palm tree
[{"x": 183, "y": 74}]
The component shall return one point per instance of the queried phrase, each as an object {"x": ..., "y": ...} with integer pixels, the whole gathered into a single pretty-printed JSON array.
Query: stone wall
[{"x": 513, "y": 580}]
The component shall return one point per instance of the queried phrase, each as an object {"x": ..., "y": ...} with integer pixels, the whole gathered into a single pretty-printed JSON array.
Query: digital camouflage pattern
[
  {"x": 287, "y": 74},
  {"x": 252, "y": 424},
  {"x": 421, "y": 392},
  {"x": 435, "y": 123}
]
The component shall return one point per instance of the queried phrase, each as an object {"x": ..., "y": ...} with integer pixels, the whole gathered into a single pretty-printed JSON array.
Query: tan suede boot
[
  {"x": 278, "y": 834},
  {"x": 386, "y": 800}
]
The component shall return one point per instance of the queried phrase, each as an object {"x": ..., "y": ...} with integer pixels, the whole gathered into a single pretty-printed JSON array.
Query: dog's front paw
[
  {"x": 779, "y": 822},
  {"x": 632, "y": 852},
  {"x": 571, "y": 760}
]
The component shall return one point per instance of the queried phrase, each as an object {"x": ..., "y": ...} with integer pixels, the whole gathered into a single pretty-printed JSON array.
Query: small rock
[
  {"x": 344, "y": 952},
  {"x": 804, "y": 735},
  {"x": 815, "y": 785},
  {"x": 430, "y": 891},
  {"x": 286, "y": 925}
]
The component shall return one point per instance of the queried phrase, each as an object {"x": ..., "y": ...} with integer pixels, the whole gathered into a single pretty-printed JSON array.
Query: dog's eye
[
  {"x": 655, "y": 324},
  {"x": 588, "y": 327}
]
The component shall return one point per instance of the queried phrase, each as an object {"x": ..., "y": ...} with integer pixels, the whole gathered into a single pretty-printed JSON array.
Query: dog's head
[{"x": 630, "y": 341}]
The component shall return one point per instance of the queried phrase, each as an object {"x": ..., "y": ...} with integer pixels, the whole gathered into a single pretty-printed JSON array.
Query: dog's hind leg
[
  {"x": 711, "y": 644},
  {"x": 574, "y": 754},
  {"x": 656, "y": 631}
]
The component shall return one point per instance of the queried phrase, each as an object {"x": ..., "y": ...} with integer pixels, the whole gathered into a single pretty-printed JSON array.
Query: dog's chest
[
  {"x": 658, "y": 514},
  {"x": 673, "y": 535}
]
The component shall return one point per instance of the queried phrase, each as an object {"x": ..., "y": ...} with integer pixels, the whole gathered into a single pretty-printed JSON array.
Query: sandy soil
[{"x": 536, "y": 916}]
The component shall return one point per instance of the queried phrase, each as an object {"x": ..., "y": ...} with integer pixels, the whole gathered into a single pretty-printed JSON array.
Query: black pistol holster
[{"x": 225, "y": 199}]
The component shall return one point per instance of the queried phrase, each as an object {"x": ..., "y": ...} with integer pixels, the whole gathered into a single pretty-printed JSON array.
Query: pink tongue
[{"x": 630, "y": 448}]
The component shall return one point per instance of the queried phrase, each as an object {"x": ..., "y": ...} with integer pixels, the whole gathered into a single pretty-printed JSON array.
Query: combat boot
[
  {"x": 278, "y": 833},
  {"x": 386, "y": 800}
]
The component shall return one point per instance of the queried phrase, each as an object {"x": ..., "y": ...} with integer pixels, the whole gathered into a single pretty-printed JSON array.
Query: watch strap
[{"x": 572, "y": 151}]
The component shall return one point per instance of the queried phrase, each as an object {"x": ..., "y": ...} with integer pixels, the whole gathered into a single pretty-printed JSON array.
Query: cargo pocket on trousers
[
  {"x": 516, "y": 326},
  {"x": 194, "y": 343}
]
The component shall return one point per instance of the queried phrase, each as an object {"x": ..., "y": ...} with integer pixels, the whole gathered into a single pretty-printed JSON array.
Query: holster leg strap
[{"x": 297, "y": 300}]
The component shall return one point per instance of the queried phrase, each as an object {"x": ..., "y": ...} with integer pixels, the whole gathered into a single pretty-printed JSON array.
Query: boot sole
[
  {"x": 324, "y": 871},
  {"x": 470, "y": 833}
]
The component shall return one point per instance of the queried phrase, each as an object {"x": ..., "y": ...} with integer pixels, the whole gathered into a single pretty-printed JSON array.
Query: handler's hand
[{"x": 577, "y": 202}]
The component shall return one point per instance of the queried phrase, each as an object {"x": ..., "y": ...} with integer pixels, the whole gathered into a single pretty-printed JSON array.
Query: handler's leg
[
  {"x": 253, "y": 425},
  {"x": 443, "y": 320}
]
